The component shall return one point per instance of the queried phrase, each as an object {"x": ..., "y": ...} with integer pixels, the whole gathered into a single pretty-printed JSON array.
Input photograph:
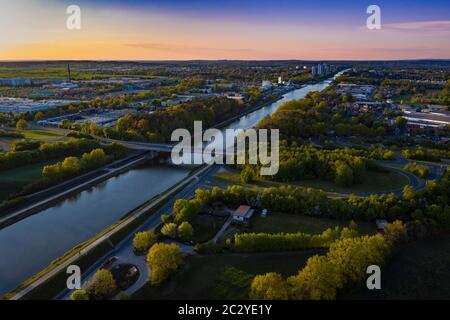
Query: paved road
[
  {"x": 4, "y": 146},
  {"x": 124, "y": 250}
]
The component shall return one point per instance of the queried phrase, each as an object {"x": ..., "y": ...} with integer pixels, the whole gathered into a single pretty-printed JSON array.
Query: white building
[
  {"x": 243, "y": 214},
  {"x": 266, "y": 84}
]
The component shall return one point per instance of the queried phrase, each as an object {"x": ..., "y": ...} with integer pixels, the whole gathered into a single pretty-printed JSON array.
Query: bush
[
  {"x": 251, "y": 242},
  {"x": 418, "y": 170},
  {"x": 270, "y": 286},
  {"x": 163, "y": 259},
  {"x": 185, "y": 231},
  {"x": 208, "y": 247},
  {"x": 170, "y": 230},
  {"x": 143, "y": 241},
  {"x": 79, "y": 295},
  {"x": 102, "y": 285}
]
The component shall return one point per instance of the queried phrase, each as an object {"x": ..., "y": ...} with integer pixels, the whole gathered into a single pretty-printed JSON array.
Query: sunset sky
[{"x": 219, "y": 29}]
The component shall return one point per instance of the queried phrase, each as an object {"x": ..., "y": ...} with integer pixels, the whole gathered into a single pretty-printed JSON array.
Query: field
[
  {"x": 374, "y": 182},
  {"x": 282, "y": 222},
  {"x": 420, "y": 270},
  {"x": 223, "y": 276},
  {"x": 12, "y": 181},
  {"x": 206, "y": 227},
  {"x": 42, "y": 134}
]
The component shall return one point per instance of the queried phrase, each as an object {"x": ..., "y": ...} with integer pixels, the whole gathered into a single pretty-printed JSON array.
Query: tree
[
  {"x": 79, "y": 295},
  {"x": 144, "y": 240},
  {"x": 318, "y": 280},
  {"x": 102, "y": 285},
  {"x": 38, "y": 116},
  {"x": 122, "y": 295},
  {"x": 71, "y": 165},
  {"x": 401, "y": 122},
  {"x": 247, "y": 174},
  {"x": 344, "y": 174},
  {"x": 170, "y": 230},
  {"x": 21, "y": 124},
  {"x": 270, "y": 286},
  {"x": 185, "y": 231},
  {"x": 163, "y": 259},
  {"x": 408, "y": 192}
]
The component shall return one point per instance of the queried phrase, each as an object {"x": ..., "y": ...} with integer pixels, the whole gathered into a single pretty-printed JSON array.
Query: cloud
[{"x": 418, "y": 26}]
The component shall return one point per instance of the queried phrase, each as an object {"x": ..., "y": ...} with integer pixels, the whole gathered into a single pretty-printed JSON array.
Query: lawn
[
  {"x": 206, "y": 227},
  {"x": 420, "y": 270},
  {"x": 12, "y": 181},
  {"x": 282, "y": 222},
  {"x": 42, "y": 134},
  {"x": 223, "y": 276},
  {"x": 374, "y": 182}
]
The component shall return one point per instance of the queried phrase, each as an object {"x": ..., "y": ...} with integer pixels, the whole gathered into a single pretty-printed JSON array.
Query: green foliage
[
  {"x": 344, "y": 166},
  {"x": 72, "y": 166},
  {"x": 79, "y": 295},
  {"x": 185, "y": 231},
  {"x": 163, "y": 259},
  {"x": 143, "y": 241},
  {"x": 426, "y": 154},
  {"x": 418, "y": 170},
  {"x": 251, "y": 242},
  {"x": 25, "y": 145},
  {"x": 270, "y": 286},
  {"x": 11, "y": 134},
  {"x": 170, "y": 230},
  {"x": 22, "y": 124},
  {"x": 102, "y": 285}
]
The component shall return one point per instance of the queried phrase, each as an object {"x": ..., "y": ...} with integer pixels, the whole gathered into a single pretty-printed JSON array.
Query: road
[
  {"x": 124, "y": 250},
  {"x": 4, "y": 146}
]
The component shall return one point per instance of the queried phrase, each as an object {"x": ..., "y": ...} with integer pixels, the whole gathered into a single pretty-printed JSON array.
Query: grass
[
  {"x": 42, "y": 134},
  {"x": 223, "y": 276},
  {"x": 12, "y": 181},
  {"x": 282, "y": 222},
  {"x": 206, "y": 227},
  {"x": 374, "y": 182},
  {"x": 419, "y": 270}
]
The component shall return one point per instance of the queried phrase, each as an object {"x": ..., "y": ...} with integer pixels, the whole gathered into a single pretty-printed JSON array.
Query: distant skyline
[{"x": 215, "y": 30}]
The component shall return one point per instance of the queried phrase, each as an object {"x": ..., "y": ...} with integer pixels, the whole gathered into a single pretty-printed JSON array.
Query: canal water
[{"x": 29, "y": 245}]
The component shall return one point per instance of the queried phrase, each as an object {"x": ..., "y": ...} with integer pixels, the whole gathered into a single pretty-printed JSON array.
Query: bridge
[{"x": 161, "y": 147}]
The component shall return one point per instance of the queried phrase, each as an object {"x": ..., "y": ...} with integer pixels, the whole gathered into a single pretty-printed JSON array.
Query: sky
[{"x": 224, "y": 29}]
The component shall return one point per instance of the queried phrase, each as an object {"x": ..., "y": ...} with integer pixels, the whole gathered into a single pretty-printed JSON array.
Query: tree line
[
  {"x": 323, "y": 277},
  {"x": 430, "y": 205},
  {"x": 260, "y": 242}
]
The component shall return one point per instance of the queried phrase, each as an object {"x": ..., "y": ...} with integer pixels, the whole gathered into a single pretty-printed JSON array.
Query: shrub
[
  {"x": 170, "y": 230},
  {"x": 143, "y": 241},
  {"x": 185, "y": 231},
  {"x": 163, "y": 259}
]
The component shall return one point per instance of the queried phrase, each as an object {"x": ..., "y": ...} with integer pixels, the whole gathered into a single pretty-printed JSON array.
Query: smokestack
[{"x": 68, "y": 72}]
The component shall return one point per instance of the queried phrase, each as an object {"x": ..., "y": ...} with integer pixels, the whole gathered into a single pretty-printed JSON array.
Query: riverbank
[
  {"x": 72, "y": 222},
  {"x": 52, "y": 279},
  {"x": 55, "y": 194}
]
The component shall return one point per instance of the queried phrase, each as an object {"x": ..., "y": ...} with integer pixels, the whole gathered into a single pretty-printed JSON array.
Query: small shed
[
  {"x": 243, "y": 214},
  {"x": 381, "y": 224}
]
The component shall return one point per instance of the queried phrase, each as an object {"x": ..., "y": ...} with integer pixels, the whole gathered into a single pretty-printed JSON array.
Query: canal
[{"x": 29, "y": 245}]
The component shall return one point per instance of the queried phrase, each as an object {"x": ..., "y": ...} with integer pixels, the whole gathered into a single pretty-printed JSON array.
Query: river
[{"x": 29, "y": 245}]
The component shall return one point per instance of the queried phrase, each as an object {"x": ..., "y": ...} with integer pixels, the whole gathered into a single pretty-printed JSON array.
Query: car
[{"x": 108, "y": 263}]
